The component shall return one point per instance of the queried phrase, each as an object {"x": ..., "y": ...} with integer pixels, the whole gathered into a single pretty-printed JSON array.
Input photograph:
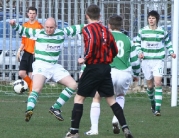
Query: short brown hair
[
  {"x": 32, "y": 9},
  {"x": 115, "y": 21},
  {"x": 155, "y": 14},
  {"x": 93, "y": 11}
]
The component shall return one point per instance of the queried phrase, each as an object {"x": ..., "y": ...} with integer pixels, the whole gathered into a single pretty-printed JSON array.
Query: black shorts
[
  {"x": 96, "y": 77},
  {"x": 26, "y": 62}
]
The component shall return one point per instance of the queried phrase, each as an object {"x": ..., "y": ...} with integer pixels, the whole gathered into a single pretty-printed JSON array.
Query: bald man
[{"x": 48, "y": 43}]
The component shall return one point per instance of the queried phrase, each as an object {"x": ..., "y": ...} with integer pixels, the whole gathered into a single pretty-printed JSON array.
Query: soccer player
[
  {"x": 27, "y": 45},
  {"x": 125, "y": 65},
  {"x": 151, "y": 42},
  {"x": 100, "y": 49},
  {"x": 47, "y": 50}
]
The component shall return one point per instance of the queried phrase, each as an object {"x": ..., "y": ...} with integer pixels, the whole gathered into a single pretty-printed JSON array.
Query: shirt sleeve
[
  {"x": 138, "y": 43},
  {"x": 23, "y": 38},
  {"x": 168, "y": 43},
  {"x": 27, "y": 32},
  {"x": 72, "y": 30},
  {"x": 135, "y": 62}
]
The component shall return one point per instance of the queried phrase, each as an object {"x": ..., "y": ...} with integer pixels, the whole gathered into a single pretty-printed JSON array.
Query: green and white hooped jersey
[
  {"x": 152, "y": 43},
  {"x": 48, "y": 47},
  {"x": 127, "y": 55}
]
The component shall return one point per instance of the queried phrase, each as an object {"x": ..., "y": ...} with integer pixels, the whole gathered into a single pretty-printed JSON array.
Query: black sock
[
  {"x": 118, "y": 112},
  {"x": 77, "y": 113}
]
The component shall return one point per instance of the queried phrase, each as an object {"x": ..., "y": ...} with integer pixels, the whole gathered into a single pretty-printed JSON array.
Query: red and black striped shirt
[{"x": 100, "y": 46}]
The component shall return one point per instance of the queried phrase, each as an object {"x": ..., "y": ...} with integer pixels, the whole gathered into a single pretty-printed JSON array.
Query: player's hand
[
  {"x": 12, "y": 22},
  {"x": 141, "y": 55},
  {"x": 173, "y": 55},
  {"x": 101, "y": 22},
  {"x": 81, "y": 60}
]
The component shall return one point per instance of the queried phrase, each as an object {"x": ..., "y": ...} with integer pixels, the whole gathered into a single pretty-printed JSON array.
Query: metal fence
[{"x": 69, "y": 12}]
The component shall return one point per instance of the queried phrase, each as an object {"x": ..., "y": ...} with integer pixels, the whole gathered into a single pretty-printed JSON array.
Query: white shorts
[
  {"x": 55, "y": 72},
  {"x": 121, "y": 81},
  {"x": 152, "y": 68}
]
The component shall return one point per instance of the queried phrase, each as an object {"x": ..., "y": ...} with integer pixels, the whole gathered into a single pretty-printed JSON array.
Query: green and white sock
[
  {"x": 150, "y": 93},
  {"x": 32, "y": 99},
  {"x": 65, "y": 95},
  {"x": 158, "y": 98}
]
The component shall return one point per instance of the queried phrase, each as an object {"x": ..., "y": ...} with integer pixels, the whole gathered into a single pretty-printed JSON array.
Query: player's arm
[
  {"x": 73, "y": 30},
  {"x": 168, "y": 45},
  {"x": 19, "y": 52},
  {"x": 24, "y": 31},
  {"x": 135, "y": 63},
  {"x": 138, "y": 45},
  {"x": 81, "y": 61},
  {"x": 21, "y": 48}
]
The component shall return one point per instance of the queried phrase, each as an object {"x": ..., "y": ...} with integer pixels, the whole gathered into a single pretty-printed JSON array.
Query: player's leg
[
  {"x": 38, "y": 82},
  {"x": 87, "y": 86},
  {"x": 63, "y": 77},
  {"x": 40, "y": 75},
  {"x": 120, "y": 99},
  {"x": 26, "y": 78},
  {"x": 94, "y": 115},
  {"x": 158, "y": 95},
  {"x": 26, "y": 66},
  {"x": 30, "y": 70},
  {"x": 121, "y": 81},
  {"x": 158, "y": 74},
  {"x": 64, "y": 96},
  {"x": 77, "y": 113},
  {"x": 118, "y": 112},
  {"x": 106, "y": 89},
  {"x": 150, "y": 93},
  {"x": 148, "y": 74}
]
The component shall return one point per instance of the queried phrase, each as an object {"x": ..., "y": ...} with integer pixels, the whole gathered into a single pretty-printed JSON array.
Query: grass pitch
[{"x": 139, "y": 117}]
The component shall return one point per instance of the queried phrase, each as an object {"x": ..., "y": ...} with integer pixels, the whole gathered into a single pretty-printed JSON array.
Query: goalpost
[{"x": 174, "y": 96}]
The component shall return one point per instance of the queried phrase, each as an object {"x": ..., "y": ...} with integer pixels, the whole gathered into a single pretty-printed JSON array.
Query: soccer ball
[{"x": 20, "y": 86}]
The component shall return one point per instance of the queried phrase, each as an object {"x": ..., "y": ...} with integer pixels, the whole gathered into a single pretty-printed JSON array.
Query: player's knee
[
  {"x": 158, "y": 83},
  {"x": 22, "y": 74},
  {"x": 73, "y": 86},
  {"x": 79, "y": 99}
]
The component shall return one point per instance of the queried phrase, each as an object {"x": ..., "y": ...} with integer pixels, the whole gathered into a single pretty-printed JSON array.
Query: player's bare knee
[
  {"x": 73, "y": 86},
  {"x": 158, "y": 83},
  {"x": 79, "y": 99},
  {"x": 22, "y": 74}
]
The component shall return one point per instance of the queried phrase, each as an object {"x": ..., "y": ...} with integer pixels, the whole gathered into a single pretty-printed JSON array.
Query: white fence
[{"x": 68, "y": 12}]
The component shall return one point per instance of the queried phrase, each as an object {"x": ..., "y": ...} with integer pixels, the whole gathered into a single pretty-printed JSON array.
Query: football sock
[
  {"x": 32, "y": 99},
  {"x": 29, "y": 83},
  {"x": 150, "y": 93},
  {"x": 64, "y": 97},
  {"x": 30, "y": 87},
  {"x": 77, "y": 113},
  {"x": 118, "y": 112},
  {"x": 120, "y": 100},
  {"x": 158, "y": 98},
  {"x": 94, "y": 116}
]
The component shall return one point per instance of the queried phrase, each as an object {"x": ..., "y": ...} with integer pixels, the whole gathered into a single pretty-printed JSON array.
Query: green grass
[{"x": 44, "y": 125}]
